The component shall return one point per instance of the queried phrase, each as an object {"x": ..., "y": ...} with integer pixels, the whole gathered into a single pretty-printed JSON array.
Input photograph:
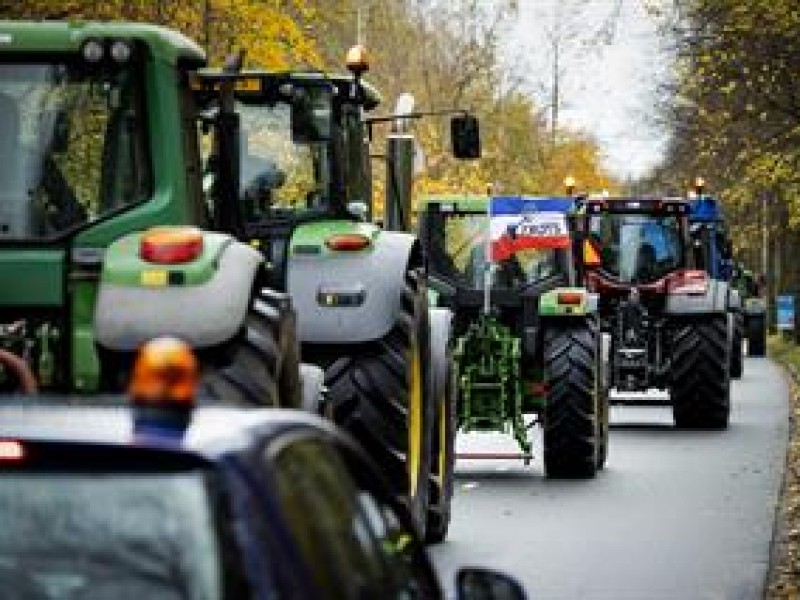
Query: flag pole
[{"x": 487, "y": 261}]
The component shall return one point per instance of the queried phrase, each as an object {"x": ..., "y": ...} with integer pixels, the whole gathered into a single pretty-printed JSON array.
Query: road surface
[{"x": 674, "y": 515}]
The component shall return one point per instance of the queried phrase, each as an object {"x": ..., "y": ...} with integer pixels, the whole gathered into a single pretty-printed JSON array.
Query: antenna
[{"x": 362, "y": 16}]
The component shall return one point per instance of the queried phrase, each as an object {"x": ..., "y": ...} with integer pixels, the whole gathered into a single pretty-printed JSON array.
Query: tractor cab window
[
  {"x": 637, "y": 248},
  {"x": 282, "y": 172},
  {"x": 460, "y": 256},
  {"x": 72, "y": 146}
]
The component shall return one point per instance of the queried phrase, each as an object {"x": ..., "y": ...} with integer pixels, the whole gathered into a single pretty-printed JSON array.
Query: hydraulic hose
[{"x": 22, "y": 371}]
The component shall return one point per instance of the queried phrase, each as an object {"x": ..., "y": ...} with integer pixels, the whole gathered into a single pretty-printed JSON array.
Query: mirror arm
[{"x": 416, "y": 115}]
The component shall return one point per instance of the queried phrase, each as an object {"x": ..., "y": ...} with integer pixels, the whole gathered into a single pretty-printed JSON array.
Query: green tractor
[
  {"x": 98, "y": 145},
  {"x": 755, "y": 310},
  {"x": 299, "y": 143},
  {"x": 528, "y": 339}
]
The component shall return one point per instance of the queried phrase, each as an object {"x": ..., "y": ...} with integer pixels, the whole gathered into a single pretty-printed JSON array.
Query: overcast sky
[{"x": 609, "y": 81}]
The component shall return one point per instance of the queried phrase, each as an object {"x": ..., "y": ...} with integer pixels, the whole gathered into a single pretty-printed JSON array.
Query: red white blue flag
[{"x": 519, "y": 223}]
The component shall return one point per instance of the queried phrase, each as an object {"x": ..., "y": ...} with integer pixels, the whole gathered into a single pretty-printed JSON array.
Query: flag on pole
[{"x": 518, "y": 223}]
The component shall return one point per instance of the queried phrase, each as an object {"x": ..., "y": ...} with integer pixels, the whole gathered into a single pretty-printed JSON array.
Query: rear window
[
  {"x": 121, "y": 536},
  {"x": 460, "y": 255}
]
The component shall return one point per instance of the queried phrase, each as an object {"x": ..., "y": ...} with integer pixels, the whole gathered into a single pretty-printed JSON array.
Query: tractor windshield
[
  {"x": 280, "y": 175},
  {"x": 637, "y": 248},
  {"x": 460, "y": 256},
  {"x": 72, "y": 147}
]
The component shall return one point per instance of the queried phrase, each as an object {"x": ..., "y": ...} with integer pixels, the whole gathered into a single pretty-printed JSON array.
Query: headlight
[
  {"x": 93, "y": 51},
  {"x": 121, "y": 51}
]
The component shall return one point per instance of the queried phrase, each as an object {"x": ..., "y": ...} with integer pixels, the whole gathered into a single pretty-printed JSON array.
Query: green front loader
[
  {"x": 98, "y": 145},
  {"x": 528, "y": 340}
]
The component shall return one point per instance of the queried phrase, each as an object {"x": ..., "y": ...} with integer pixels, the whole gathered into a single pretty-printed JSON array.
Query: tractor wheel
[
  {"x": 260, "y": 366},
  {"x": 737, "y": 351},
  {"x": 380, "y": 393},
  {"x": 756, "y": 335},
  {"x": 700, "y": 387},
  {"x": 572, "y": 435},
  {"x": 444, "y": 461}
]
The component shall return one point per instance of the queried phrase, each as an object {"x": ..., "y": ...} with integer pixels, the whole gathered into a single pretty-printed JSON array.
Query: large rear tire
[
  {"x": 700, "y": 388},
  {"x": 737, "y": 347},
  {"x": 573, "y": 414},
  {"x": 260, "y": 366},
  {"x": 444, "y": 460},
  {"x": 756, "y": 335},
  {"x": 379, "y": 392}
]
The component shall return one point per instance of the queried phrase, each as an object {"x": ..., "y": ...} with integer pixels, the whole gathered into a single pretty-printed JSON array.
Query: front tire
[
  {"x": 700, "y": 387},
  {"x": 378, "y": 392},
  {"x": 573, "y": 412}
]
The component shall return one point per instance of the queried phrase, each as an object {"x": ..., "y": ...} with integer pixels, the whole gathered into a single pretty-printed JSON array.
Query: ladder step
[{"x": 494, "y": 456}]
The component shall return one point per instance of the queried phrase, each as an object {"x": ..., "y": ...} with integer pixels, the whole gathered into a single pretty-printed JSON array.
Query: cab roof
[
  {"x": 61, "y": 36},
  {"x": 638, "y": 204},
  {"x": 371, "y": 96},
  {"x": 212, "y": 432},
  {"x": 477, "y": 203}
]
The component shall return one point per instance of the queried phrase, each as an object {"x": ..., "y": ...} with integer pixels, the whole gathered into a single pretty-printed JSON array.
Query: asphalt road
[{"x": 676, "y": 514}]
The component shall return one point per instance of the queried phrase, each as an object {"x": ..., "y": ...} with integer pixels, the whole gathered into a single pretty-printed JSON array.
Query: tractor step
[{"x": 526, "y": 457}]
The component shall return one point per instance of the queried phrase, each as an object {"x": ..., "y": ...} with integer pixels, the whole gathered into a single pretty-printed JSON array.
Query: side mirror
[
  {"x": 466, "y": 137},
  {"x": 478, "y": 583},
  {"x": 312, "y": 113}
]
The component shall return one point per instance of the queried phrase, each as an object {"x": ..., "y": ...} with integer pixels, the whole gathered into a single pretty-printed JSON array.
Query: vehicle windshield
[
  {"x": 636, "y": 248},
  {"x": 116, "y": 536},
  {"x": 72, "y": 147},
  {"x": 279, "y": 175},
  {"x": 461, "y": 256}
]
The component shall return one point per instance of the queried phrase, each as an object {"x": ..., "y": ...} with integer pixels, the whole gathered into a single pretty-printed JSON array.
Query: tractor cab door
[
  {"x": 73, "y": 155},
  {"x": 269, "y": 153}
]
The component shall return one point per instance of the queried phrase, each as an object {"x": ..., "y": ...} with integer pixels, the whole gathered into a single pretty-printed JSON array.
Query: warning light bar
[{"x": 165, "y": 373}]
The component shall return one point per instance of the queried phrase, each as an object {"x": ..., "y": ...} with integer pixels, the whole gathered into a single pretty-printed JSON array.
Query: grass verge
[{"x": 783, "y": 579}]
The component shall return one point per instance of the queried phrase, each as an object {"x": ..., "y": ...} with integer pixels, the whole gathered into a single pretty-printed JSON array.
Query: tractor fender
[
  {"x": 715, "y": 300},
  {"x": 203, "y": 315},
  {"x": 350, "y": 297},
  {"x": 441, "y": 325}
]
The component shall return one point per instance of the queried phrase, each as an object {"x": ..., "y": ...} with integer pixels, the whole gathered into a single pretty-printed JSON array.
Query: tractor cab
[
  {"x": 289, "y": 149},
  {"x": 637, "y": 243},
  {"x": 298, "y": 143},
  {"x": 518, "y": 257},
  {"x": 79, "y": 168}
]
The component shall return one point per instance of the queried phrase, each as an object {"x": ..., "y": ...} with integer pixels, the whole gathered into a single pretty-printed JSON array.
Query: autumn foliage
[
  {"x": 734, "y": 109},
  {"x": 446, "y": 53}
]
